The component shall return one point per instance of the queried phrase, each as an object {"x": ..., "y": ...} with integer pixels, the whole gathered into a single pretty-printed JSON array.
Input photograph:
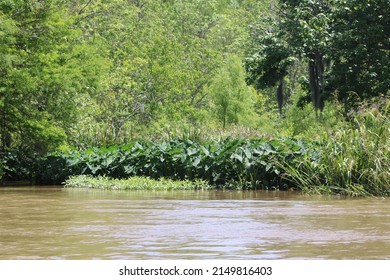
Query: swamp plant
[
  {"x": 350, "y": 161},
  {"x": 134, "y": 183},
  {"x": 354, "y": 161},
  {"x": 239, "y": 163}
]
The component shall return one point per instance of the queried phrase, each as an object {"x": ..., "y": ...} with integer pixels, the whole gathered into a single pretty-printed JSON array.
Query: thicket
[{"x": 91, "y": 73}]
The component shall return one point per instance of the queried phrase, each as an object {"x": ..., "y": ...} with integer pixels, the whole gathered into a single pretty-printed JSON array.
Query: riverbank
[{"x": 352, "y": 161}]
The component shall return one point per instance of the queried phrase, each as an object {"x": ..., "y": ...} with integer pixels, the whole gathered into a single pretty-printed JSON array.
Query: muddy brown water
[{"x": 57, "y": 223}]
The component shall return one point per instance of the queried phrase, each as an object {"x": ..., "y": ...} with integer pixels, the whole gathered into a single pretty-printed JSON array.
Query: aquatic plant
[
  {"x": 236, "y": 163},
  {"x": 354, "y": 161},
  {"x": 133, "y": 183}
]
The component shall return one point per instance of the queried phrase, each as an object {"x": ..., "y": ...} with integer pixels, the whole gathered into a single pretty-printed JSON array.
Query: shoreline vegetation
[{"x": 353, "y": 162}]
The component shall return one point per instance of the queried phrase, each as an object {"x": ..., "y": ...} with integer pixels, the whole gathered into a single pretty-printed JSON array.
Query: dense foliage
[
  {"x": 125, "y": 74},
  {"x": 87, "y": 73},
  {"x": 345, "y": 45},
  {"x": 228, "y": 163},
  {"x": 349, "y": 161}
]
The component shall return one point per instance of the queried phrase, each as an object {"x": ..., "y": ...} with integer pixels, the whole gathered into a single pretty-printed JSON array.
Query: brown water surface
[{"x": 57, "y": 223}]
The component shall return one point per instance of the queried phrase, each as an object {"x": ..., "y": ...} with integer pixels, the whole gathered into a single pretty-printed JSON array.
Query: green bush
[{"x": 19, "y": 165}]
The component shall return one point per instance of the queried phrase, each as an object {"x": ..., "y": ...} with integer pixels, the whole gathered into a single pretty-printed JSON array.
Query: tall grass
[{"x": 354, "y": 161}]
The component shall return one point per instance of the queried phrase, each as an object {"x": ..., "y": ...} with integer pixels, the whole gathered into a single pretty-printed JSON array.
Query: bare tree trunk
[
  {"x": 224, "y": 118},
  {"x": 320, "y": 80},
  {"x": 313, "y": 85},
  {"x": 316, "y": 80}
]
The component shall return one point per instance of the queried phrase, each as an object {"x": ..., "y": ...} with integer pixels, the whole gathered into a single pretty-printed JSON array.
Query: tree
[
  {"x": 8, "y": 32},
  {"x": 345, "y": 45},
  {"x": 360, "y": 49},
  {"x": 232, "y": 98},
  {"x": 268, "y": 67},
  {"x": 47, "y": 70},
  {"x": 302, "y": 33},
  {"x": 162, "y": 56}
]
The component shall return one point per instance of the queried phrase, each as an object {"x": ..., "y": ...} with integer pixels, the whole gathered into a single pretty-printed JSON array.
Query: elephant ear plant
[
  {"x": 19, "y": 165},
  {"x": 228, "y": 163},
  {"x": 352, "y": 161}
]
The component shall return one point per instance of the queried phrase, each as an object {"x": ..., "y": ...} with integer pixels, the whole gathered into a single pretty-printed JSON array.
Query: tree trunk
[
  {"x": 320, "y": 81},
  {"x": 280, "y": 96},
  {"x": 4, "y": 133},
  {"x": 316, "y": 80}
]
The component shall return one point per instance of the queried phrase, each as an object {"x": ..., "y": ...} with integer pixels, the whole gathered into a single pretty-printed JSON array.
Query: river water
[{"x": 57, "y": 223}]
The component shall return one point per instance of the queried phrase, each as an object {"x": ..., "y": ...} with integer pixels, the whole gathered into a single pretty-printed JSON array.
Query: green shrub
[
  {"x": 351, "y": 161},
  {"x": 19, "y": 165}
]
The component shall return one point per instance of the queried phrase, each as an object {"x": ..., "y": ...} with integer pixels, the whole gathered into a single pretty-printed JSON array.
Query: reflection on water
[{"x": 57, "y": 223}]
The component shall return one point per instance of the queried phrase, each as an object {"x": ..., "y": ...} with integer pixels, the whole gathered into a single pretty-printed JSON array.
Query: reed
[{"x": 354, "y": 161}]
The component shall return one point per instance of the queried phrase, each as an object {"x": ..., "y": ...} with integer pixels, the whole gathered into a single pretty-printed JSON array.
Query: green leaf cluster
[{"x": 228, "y": 163}]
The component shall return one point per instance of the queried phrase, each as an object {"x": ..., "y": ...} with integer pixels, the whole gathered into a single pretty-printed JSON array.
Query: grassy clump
[
  {"x": 354, "y": 161},
  {"x": 133, "y": 183}
]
